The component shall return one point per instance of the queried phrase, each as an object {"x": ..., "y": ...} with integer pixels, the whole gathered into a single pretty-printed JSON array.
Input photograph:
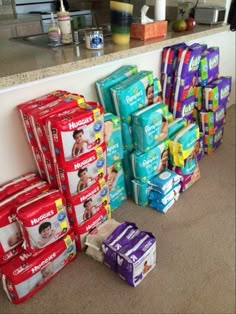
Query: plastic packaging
[
  {"x": 65, "y": 25},
  {"x": 54, "y": 33}
]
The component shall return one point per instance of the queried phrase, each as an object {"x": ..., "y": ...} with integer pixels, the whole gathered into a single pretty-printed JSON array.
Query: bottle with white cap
[{"x": 64, "y": 22}]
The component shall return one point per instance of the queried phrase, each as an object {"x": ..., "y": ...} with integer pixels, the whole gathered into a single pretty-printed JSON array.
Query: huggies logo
[
  {"x": 84, "y": 162},
  {"x": 42, "y": 217},
  {"x": 43, "y": 263},
  {"x": 75, "y": 125}
]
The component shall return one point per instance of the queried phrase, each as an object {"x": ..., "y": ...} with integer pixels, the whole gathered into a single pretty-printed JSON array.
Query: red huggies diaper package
[
  {"x": 27, "y": 273},
  {"x": 85, "y": 204},
  {"x": 17, "y": 184},
  {"x": 10, "y": 233},
  {"x": 51, "y": 169},
  {"x": 26, "y": 107},
  {"x": 76, "y": 133},
  {"x": 39, "y": 162},
  {"x": 78, "y": 174},
  {"x": 82, "y": 231},
  {"x": 43, "y": 220},
  {"x": 39, "y": 115}
]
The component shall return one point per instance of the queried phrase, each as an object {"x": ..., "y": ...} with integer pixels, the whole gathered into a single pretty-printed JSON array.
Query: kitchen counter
[{"x": 22, "y": 63}]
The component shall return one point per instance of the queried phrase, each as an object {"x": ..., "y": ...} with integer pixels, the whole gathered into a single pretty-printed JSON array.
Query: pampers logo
[
  {"x": 83, "y": 163},
  {"x": 42, "y": 217},
  {"x": 220, "y": 114},
  {"x": 194, "y": 62},
  {"x": 213, "y": 62},
  {"x": 43, "y": 263},
  {"x": 224, "y": 92},
  {"x": 151, "y": 128},
  {"x": 137, "y": 94},
  {"x": 75, "y": 125},
  {"x": 152, "y": 157},
  {"x": 188, "y": 108},
  {"x": 113, "y": 147}
]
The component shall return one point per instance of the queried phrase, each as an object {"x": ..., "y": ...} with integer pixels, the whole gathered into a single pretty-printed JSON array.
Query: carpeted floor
[{"x": 195, "y": 254}]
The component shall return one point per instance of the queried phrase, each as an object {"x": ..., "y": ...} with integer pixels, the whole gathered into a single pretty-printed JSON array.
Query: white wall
[{"x": 15, "y": 153}]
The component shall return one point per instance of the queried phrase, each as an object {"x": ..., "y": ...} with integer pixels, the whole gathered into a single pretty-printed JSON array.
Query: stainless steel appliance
[
  {"x": 209, "y": 14},
  {"x": 80, "y": 19}
]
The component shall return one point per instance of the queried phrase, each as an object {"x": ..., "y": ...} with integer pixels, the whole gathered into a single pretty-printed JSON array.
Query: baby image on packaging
[
  {"x": 84, "y": 179},
  {"x": 89, "y": 209},
  {"x": 10, "y": 236},
  {"x": 46, "y": 233},
  {"x": 78, "y": 146}
]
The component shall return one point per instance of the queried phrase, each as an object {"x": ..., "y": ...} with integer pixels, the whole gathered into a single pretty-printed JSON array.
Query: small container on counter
[{"x": 94, "y": 38}]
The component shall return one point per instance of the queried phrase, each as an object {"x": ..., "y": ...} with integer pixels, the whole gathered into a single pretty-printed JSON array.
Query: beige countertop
[
  {"x": 23, "y": 63},
  {"x": 12, "y": 19}
]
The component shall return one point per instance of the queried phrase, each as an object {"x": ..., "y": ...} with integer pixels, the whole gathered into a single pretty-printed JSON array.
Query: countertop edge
[{"x": 30, "y": 76}]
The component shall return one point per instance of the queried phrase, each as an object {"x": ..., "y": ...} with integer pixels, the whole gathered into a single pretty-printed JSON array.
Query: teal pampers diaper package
[
  {"x": 116, "y": 185},
  {"x": 128, "y": 186},
  {"x": 127, "y": 137},
  {"x": 103, "y": 85},
  {"x": 146, "y": 165},
  {"x": 150, "y": 125},
  {"x": 126, "y": 162},
  {"x": 176, "y": 126},
  {"x": 133, "y": 94},
  {"x": 113, "y": 139},
  {"x": 140, "y": 192}
]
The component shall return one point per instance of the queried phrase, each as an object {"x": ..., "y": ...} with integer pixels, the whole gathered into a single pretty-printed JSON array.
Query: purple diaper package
[
  {"x": 212, "y": 121},
  {"x": 116, "y": 240},
  {"x": 212, "y": 142},
  {"x": 183, "y": 88},
  {"x": 188, "y": 60},
  {"x": 167, "y": 88},
  {"x": 198, "y": 91},
  {"x": 209, "y": 66},
  {"x": 184, "y": 109},
  {"x": 169, "y": 57},
  {"x": 137, "y": 258},
  {"x": 217, "y": 93}
]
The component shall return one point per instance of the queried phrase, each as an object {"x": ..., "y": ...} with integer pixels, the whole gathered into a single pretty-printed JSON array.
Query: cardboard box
[{"x": 149, "y": 30}]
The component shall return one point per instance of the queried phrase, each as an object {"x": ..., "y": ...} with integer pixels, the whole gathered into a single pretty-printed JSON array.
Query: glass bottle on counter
[
  {"x": 54, "y": 33},
  {"x": 63, "y": 18}
]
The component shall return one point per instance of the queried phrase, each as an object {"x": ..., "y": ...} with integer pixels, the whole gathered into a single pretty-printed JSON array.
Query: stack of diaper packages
[
  {"x": 150, "y": 156},
  {"x": 33, "y": 114},
  {"x": 164, "y": 190},
  {"x": 212, "y": 116},
  {"x": 115, "y": 154},
  {"x": 38, "y": 222},
  {"x": 130, "y": 252},
  {"x": 184, "y": 151},
  {"x": 12, "y": 194},
  {"x": 77, "y": 145}
]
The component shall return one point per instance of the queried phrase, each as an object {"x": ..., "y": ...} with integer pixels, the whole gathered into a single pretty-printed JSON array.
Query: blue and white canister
[{"x": 94, "y": 38}]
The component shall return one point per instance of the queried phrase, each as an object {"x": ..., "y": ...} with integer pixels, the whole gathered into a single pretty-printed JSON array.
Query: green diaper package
[
  {"x": 103, "y": 85},
  {"x": 126, "y": 131},
  {"x": 140, "y": 192},
  {"x": 133, "y": 94}
]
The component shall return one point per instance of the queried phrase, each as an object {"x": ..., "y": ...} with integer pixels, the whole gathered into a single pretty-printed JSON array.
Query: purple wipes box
[
  {"x": 136, "y": 259},
  {"x": 116, "y": 240},
  {"x": 188, "y": 60}
]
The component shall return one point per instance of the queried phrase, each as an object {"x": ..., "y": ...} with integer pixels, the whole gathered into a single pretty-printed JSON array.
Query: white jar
[{"x": 94, "y": 38}]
